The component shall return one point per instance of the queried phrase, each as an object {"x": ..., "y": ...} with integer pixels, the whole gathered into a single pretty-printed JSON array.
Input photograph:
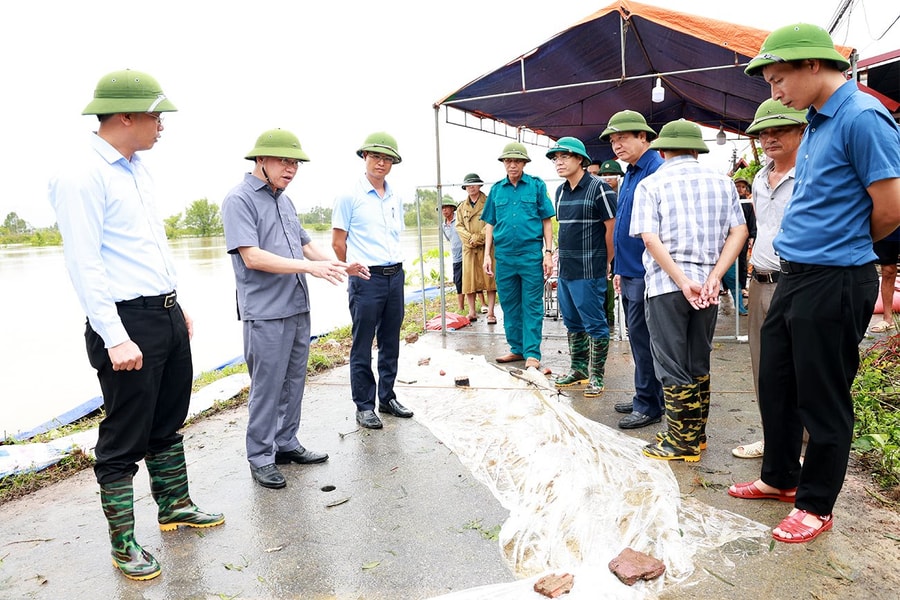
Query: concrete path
[{"x": 394, "y": 514}]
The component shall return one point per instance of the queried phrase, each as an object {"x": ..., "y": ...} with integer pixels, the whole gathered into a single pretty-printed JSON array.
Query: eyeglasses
[
  {"x": 157, "y": 117},
  {"x": 774, "y": 132},
  {"x": 290, "y": 163},
  {"x": 562, "y": 156},
  {"x": 376, "y": 157}
]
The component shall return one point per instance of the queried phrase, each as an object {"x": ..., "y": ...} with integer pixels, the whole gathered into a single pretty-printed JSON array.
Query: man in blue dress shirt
[
  {"x": 630, "y": 137},
  {"x": 137, "y": 336}
]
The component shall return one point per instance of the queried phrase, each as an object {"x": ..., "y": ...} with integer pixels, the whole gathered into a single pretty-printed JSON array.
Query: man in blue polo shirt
[
  {"x": 846, "y": 194},
  {"x": 366, "y": 225},
  {"x": 630, "y": 137},
  {"x": 271, "y": 253}
]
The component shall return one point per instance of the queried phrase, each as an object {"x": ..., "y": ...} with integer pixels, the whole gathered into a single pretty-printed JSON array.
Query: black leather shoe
[
  {"x": 368, "y": 419},
  {"x": 301, "y": 456},
  {"x": 623, "y": 407},
  {"x": 636, "y": 420},
  {"x": 268, "y": 476},
  {"x": 395, "y": 408}
]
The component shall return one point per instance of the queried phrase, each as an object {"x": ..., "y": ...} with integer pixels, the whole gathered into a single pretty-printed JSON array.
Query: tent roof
[{"x": 609, "y": 61}]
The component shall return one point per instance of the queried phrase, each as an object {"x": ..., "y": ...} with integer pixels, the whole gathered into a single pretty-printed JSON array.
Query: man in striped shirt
[{"x": 586, "y": 210}]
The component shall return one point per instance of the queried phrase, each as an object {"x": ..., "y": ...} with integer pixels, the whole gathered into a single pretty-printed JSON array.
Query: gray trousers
[
  {"x": 680, "y": 338},
  {"x": 276, "y": 352},
  {"x": 758, "y": 306}
]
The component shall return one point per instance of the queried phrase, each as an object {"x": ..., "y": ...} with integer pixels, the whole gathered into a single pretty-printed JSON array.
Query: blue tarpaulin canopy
[{"x": 610, "y": 61}]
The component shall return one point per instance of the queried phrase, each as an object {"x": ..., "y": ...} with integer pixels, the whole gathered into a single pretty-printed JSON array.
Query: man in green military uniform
[{"x": 517, "y": 213}]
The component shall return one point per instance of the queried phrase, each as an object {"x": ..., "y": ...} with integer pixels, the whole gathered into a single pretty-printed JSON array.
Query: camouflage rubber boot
[
  {"x": 117, "y": 500},
  {"x": 169, "y": 485},
  {"x": 579, "y": 347},
  {"x": 703, "y": 390},
  {"x": 599, "y": 353},
  {"x": 681, "y": 440}
]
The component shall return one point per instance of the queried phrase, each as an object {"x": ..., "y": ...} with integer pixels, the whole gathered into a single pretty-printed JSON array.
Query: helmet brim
[
  {"x": 380, "y": 149},
  {"x": 788, "y": 54},
  {"x": 112, "y": 106}
]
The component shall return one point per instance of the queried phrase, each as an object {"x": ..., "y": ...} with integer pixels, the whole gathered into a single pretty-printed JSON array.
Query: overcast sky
[{"x": 331, "y": 72}]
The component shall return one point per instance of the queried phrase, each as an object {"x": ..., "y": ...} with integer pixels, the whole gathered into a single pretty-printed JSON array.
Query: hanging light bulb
[
  {"x": 720, "y": 137},
  {"x": 659, "y": 92}
]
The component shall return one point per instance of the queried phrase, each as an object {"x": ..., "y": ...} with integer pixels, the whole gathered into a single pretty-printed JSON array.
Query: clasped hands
[{"x": 701, "y": 296}]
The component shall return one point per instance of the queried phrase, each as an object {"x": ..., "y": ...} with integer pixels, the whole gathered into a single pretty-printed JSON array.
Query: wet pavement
[{"x": 396, "y": 514}]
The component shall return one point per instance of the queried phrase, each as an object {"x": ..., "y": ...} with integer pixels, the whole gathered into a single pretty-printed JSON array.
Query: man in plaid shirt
[{"x": 690, "y": 220}]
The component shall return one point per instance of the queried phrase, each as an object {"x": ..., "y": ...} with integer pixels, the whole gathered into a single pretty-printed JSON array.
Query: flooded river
[{"x": 42, "y": 357}]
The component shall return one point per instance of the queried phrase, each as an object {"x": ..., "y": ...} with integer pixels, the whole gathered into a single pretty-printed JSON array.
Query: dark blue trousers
[
  {"x": 648, "y": 396},
  {"x": 376, "y": 309}
]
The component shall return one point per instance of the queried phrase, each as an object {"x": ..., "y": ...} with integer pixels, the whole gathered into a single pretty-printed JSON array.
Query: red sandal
[
  {"x": 801, "y": 532},
  {"x": 749, "y": 491}
]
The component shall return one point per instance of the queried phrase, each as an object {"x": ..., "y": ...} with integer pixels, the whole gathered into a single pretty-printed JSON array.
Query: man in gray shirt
[{"x": 270, "y": 254}]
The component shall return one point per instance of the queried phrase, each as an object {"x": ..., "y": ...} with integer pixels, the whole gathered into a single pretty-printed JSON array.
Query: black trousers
[
  {"x": 809, "y": 355},
  {"x": 144, "y": 408},
  {"x": 680, "y": 338}
]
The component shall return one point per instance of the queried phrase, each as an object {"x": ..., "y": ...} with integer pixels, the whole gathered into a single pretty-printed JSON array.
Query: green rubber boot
[
  {"x": 599, "y": 353},
  {"x": 681, "y": 440},
  {"x": 169, "y": 485},
  {"x": 117, "y": 500},
  {"x": 579, "y": 347},
  {"x": 610, "y": 305}
]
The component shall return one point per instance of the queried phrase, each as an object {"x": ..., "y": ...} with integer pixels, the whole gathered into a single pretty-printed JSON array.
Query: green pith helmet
[
  {"x": 449, "y": 202},
  {"x": 772, "y": 113},
  {"x": 796, "y": 42},
  {"x": 611, "y": 167},
  {"x": 514, "y": 150},
  {"x": 627, "y": 120},
  {"x": 472, "y": 179},
  {"x": 128, "y": 91},
  {"x": 278, "y": 143},
  {"x": 382, "y": 143},
  {"x": 680, "y": 135},
  {"x": 572, "y": 146}
]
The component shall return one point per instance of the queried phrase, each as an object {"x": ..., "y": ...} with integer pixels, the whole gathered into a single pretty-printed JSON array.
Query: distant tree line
[
  {"x": 15, "y": 230},
  {"x": 203, "y": 219}
]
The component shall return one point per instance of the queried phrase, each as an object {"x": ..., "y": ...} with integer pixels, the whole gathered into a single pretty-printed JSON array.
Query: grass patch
[
  {"x": 207, "y": 377},
  {"x": 876, "y": 405},
  {"x": 17, "y": 486}
]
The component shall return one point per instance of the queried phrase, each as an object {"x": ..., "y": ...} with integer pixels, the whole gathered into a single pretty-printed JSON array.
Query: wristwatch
[{"x": 549, "y": 251}]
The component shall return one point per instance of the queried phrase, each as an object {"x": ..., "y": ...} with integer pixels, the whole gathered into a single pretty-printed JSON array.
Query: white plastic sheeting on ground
[{"x": 578, "y": 492}]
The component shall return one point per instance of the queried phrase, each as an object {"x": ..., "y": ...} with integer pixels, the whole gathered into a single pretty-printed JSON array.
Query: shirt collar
[{"x": 831, "y": 106}]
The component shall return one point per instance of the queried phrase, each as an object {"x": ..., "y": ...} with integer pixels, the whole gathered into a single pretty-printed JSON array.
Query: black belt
[
  {"x": 162, "y": 301},
  {"x": 766, "y": 277},
  {"x": 789, "y": 267},
  {"x": 387, "y": 269}
]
